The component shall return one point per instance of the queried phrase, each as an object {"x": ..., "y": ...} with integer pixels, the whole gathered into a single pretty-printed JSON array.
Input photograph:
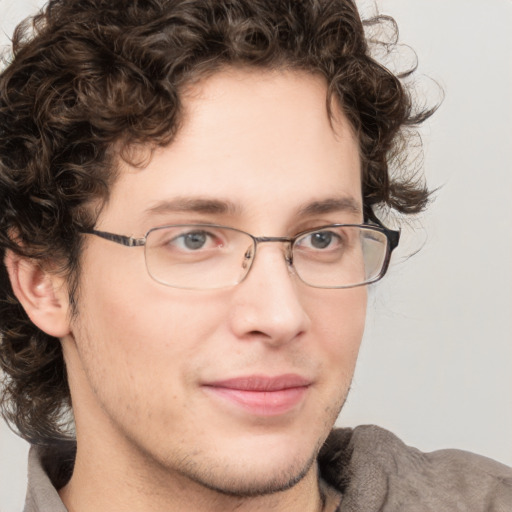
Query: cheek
[
  {"x": 124, "y": 303},
  {"x": 149, "y": 330},
  {"x": 338, "y": 324},
  {"x": 144, "y": 348},
  {"x": 150, "y": 326}
]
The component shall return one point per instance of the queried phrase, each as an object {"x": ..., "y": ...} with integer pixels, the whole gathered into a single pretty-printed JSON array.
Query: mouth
[{"x": 260, "y": 395}]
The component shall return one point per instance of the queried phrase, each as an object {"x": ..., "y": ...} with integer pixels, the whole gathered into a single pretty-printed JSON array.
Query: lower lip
[{"x": 262, "y": 403}]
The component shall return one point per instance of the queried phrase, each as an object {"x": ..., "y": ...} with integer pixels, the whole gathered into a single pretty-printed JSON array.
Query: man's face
[{"x": 183, "y": 382}]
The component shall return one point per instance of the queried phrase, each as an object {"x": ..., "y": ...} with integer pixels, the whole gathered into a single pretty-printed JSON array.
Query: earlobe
[{"x": 42, "y": 294}]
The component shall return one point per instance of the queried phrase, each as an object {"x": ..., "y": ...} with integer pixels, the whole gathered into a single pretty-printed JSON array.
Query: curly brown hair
[{"x": 90, "y": 79}]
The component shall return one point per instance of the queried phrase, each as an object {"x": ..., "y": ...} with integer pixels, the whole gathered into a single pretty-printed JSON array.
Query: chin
[
  {"x": 252, "y": 479},
  {"x": 255, "y": 465}
]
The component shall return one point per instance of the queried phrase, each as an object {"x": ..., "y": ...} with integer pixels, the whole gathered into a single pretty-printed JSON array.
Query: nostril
[{"x": 258, "y": 333}]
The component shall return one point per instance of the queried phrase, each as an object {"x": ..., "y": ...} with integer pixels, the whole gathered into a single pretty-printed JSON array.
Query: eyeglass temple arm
[
  {"x": 392, "y": 235},
  {"x": 128, "y": 241}
]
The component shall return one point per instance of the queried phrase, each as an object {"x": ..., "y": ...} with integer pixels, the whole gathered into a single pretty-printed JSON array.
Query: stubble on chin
[{"x": 244, "y": 485}]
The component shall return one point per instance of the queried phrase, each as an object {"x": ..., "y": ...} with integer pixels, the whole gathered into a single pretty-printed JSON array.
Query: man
[{"x": 189, "y": 194}]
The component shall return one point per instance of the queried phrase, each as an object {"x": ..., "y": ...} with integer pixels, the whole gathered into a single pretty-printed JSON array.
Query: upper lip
[{"x": 262, "y": 382}]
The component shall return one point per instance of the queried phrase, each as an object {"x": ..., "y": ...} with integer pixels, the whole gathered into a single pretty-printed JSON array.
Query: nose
[{"x": 267, "y": 304}]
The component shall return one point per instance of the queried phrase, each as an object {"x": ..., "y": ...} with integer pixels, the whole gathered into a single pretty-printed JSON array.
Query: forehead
[{"x": 252, "y": 139}]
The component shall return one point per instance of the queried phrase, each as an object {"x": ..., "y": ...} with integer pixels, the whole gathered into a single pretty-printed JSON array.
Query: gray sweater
[{"x": 372, "y": 468}]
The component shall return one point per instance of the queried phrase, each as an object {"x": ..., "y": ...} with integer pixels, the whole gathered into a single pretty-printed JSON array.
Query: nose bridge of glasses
[{"x": 279, "y": 239}]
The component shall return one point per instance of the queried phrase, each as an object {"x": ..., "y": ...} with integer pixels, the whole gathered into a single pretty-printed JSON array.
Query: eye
[
  {"x": 195, "y": 241},
  {"x": 320, "y": 240}
]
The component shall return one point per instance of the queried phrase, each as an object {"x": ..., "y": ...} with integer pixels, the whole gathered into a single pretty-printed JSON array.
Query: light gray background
[{"x": 435, "y": 366}]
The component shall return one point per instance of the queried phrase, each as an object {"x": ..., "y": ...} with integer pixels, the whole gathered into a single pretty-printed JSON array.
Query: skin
[{"x": 150, "y": 435}]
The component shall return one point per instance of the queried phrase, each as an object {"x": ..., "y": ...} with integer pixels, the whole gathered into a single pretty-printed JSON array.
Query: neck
[{"x": 331, "y": 498}]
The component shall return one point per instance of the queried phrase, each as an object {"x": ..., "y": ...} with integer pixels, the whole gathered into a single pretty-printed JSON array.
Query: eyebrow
[
  {"x": 331, "y": 205},
  {"x": 195, "y": 205}
]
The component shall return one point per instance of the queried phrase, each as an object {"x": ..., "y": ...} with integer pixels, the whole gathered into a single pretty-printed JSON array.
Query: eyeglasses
[{"x": 208, "y": 256}]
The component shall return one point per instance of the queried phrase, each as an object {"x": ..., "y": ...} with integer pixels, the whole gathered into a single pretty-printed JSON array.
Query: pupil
[
  {"x": 321, "y": 240},
  {"x": 195, "y": 240}
]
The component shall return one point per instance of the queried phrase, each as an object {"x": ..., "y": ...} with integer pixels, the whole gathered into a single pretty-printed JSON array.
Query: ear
[{"x": 42, "y": 294}]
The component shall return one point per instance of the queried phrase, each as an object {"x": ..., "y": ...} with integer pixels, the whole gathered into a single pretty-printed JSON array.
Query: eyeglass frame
[{"x": 392, "y": 237}]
